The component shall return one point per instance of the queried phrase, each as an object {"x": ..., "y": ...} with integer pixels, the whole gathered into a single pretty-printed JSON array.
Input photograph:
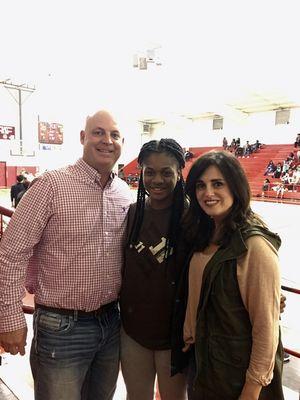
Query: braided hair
[{"x": 173, "y": 149}]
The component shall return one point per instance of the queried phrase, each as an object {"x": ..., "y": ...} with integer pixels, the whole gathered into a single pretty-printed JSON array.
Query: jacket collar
[{"x": 236, "y": 248}]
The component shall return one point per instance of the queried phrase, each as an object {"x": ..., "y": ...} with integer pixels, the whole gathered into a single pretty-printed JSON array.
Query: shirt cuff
[
  {"x": 261, "y": 380},
  {"x": 10, "y": 323}
]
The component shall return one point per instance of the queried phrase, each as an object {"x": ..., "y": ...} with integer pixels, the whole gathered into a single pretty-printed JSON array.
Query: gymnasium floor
[{"x": 283, "y": 219}]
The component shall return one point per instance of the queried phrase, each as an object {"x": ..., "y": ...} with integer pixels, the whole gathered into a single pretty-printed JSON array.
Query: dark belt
[{"x": 80, "y": 313}]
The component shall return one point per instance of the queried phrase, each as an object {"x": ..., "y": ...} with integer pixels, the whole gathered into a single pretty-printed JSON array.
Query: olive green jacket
[{"x": 224, "y": 332}]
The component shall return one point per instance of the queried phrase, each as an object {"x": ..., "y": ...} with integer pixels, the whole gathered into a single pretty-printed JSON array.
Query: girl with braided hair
[{"x": 153, "y": 260}]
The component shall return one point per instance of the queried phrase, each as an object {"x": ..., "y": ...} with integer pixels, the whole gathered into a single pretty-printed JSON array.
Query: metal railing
[{"x": 4, "y": 212}]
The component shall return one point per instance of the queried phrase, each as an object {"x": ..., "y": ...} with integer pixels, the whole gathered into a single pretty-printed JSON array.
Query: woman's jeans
[{"x": 75, "y": 358}]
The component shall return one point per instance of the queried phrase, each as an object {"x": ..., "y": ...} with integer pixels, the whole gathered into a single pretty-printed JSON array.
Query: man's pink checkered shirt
[{"x": 66, "y": 239}]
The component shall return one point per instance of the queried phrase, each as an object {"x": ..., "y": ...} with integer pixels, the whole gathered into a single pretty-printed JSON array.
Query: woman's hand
[{"x": 186, "y": 348}]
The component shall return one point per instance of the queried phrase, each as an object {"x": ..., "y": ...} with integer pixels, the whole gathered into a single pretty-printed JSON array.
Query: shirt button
[{"x": 105, "y": 233}]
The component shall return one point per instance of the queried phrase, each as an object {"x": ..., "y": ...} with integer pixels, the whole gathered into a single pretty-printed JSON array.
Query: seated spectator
[
  {"x": 257, "y": 145},
  {"x": 265, "y": 187},
  {"x": 290, "y": 172},
  {"x": 270, "y": 168},
  {"x": 239, "y": 151},
  {"x": 188, "y": 155},
  {"x": 129, "y": 179},
  {"x": 296, "y": 177},
  {"x": 285, "y": 177},
  {"x": 238, "y": 142},
  {"x": 280, "y": 189},
  {"x": 232, "y": 146},
  {"x": 246, "y": 149},
  {"x": 297, "y": 141},
  {"x": 285, "y": 166},
  {"x": 287, "y": 180},
  {"x": 121, "y": 174},
  {"x": 225, "y": 143},
  {"x": 277, "y": 172}
]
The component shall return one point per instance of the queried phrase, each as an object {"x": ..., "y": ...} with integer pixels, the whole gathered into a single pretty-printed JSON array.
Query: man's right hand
[{"x": 14, "y": 342}]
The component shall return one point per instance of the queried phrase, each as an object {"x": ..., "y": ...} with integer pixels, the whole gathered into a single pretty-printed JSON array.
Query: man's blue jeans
[{"x": 75, "y": 358}]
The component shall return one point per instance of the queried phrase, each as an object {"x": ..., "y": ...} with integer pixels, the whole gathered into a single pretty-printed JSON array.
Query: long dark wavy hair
[
  {"x": 199, "y": 227},
  {"x": 174, "y": 150}
]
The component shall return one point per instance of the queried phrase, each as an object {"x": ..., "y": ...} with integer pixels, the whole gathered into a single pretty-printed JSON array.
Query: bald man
[{"x": 65, "y": 239}]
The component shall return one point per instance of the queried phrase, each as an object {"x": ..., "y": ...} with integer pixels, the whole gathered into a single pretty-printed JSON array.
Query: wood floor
[
  {"x": 291, "y": 382},
  {"x": 291, "y": 374}
]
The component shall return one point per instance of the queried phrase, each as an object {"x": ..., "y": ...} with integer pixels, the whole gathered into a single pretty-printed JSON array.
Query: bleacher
[
  {"x": 254, "y": 167},
  {"x": 256, "y": 164}
]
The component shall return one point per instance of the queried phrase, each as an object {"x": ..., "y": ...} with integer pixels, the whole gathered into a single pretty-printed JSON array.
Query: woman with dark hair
[
  {"x": 231, "y": 326},
  {"x": 153, "y": 262}
]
